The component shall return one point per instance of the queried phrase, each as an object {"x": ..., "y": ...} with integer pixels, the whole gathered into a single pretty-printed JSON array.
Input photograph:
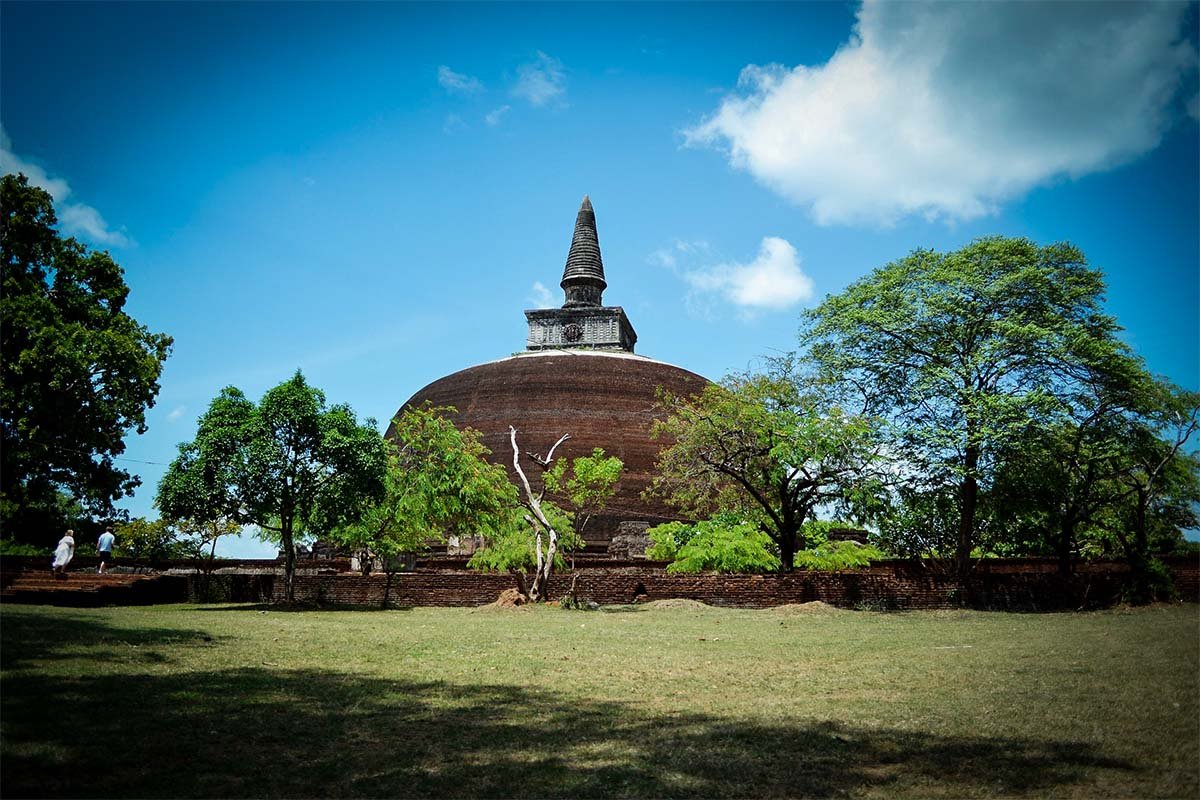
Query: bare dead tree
[{"x": 545, "y": 536}]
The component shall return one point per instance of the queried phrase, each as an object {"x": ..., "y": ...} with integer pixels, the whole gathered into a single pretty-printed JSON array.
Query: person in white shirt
[{"x": 104, "y": 547}]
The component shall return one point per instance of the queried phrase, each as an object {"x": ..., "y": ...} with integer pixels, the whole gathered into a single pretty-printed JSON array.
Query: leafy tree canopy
[
  {"x": 592, "y": 482},
  {"x": 438, "y": 484},
  {"x": 769, "y": 447},
  {"x": 78, "y": 372},
  {"x": 961, "y": 352},
  {"x": 287, "y": 464}
]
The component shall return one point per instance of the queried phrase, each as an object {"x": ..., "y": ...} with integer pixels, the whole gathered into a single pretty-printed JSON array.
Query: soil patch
[
  {"x": 676, "y": 602},
  {"x": 816, "y": 608}
]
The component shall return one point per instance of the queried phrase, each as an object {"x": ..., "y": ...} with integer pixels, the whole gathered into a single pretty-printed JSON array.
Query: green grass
[{"x": 654, "y": 702}]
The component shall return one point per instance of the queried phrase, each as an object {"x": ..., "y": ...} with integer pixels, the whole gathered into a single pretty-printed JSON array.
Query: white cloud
[
  {"x": 773, "y": 281},
  {"x": 541, "y": 297},
  {"x": 176, "y": 413},
  {"x": 75, "y": 219},
  {"x": 949, "y": 109},
  {"x": 494, "y": 116},
  {"x": 669, "y": 256},
  {"x": 541, "y": 81},
  {"x": 453, "y": 81}
]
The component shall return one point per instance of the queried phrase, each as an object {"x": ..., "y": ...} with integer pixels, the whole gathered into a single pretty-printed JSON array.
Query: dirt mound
[
  {"x": 676, "y": 602},
  {"x": 815, "y": 608},
  {"x": 509, "y": 599}
]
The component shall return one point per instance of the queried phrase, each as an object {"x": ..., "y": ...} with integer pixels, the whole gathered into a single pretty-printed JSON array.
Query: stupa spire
[{"x": 583, "y": 277}]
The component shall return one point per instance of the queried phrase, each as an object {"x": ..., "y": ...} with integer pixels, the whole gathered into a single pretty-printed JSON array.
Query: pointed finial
[{"x": 583, "y": 278}]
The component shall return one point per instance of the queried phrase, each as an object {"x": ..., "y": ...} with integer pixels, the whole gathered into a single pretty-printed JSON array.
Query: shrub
[
  {"x": 838, "y": 555},
  {"x": 725, "y": 543},
  {"x": 8, "y": 547}
]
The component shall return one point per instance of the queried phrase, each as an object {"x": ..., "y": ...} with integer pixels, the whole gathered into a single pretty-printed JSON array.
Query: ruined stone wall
[{"x": 1011, "y": 584}]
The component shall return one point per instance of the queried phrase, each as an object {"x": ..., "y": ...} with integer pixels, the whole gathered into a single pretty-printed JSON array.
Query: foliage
[
  {"x": 11, "y": 547},
  {"x": 438, "y": 483},
  {"x": 510, "y": 547},
  {"x": 535, "y": 538},
  {"x": 78, "y": 371},
  {"x": 767, "y": 446},
  {"x": 287, "y": 464},
  {"x": 962, "y": 352},
  {"x": 727, "y": 542},
  {"x": 198, "y": 540},
  {"x": 667, "y": 538},
  {"x": 838, "y": 555},
  {"x": 152, "y": 540},
  {"x": 591, "y": 484}
]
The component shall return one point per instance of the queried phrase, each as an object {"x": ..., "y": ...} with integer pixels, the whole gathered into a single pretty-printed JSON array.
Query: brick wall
[{"x": 1009, "y": 584}]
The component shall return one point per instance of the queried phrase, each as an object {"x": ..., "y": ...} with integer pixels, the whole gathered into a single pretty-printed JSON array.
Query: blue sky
[{"x": 374, "y": 193}]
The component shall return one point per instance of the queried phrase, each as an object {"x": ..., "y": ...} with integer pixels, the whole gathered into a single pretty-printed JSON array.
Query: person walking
[
  {"x": 104, "y": 546},
  {"x": 63, "y": 553}
]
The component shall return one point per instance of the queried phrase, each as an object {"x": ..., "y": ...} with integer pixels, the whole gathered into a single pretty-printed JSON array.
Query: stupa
[{"x": 579, "y": 375}]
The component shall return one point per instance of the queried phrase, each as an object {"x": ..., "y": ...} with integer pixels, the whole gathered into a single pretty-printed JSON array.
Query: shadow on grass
[
  {"x": 253, "y": 732},
  {"x": 30, "y": 639},
  {"x": 285, "y": 608}
]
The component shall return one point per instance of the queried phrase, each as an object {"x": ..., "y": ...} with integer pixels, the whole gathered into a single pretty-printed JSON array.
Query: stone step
[{"x": 88, "y": 589}]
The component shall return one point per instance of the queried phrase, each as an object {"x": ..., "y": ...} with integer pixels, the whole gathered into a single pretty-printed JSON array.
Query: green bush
[
  {"x": 838, "y": 555},
  {"x": 724, "y": 543},
  {"x": 9, "y": 547}
]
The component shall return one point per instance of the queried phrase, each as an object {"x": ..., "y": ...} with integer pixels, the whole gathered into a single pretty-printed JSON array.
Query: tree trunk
[
  {"x": 1066, "y": 538},
  {"x": 969, "y": 499},
  {"x": 289, "y": 558},
  {"x": 1139, "y": 566},
  {"x": 387, "y": 589},
  {"x": 787, "y": 551}
]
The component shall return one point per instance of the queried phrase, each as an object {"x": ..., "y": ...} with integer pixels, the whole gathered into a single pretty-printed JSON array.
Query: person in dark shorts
[{"x": 104, "y": 546}]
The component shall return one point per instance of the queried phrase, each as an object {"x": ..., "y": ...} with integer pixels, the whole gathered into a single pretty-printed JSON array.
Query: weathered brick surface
[
  {"x": 1027, "y": 585},
  {"x": 601, "y": 400}
]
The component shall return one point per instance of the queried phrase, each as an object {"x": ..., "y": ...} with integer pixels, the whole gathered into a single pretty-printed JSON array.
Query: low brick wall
[{"x": 1008, "y": 584}]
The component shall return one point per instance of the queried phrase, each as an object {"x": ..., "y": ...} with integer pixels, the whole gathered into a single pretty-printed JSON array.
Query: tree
[
  {"x": 767, "y": 446},
  {"x": 198, "y": 541},
  {"x": 287, "y": 465},
  {"x": 1161, "y": 480},
  {"x": 962, "y": 351},
  {"x": 78, "y": 372},
  {"x": 438, "y": 484},
  {"x": 512, "y": 548},
  {"x": 153, "y": 540},
  {"x": 588, "y": 488}
]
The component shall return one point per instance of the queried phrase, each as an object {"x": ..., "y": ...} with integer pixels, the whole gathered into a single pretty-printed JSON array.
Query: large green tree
[
  {"x": 962, "y": 353},
  {"x": 287, "y": 464},
  {"x": 78, "y": 372},
  {"x": 768, "y": 445}
]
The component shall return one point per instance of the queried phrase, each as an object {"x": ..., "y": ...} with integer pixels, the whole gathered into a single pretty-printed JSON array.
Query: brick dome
[{"x": 602, "y": 399}]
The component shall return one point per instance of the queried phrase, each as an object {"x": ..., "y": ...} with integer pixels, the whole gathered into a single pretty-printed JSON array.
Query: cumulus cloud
[
  {"x": 541, "y": 296},
  {"x": 453, "y": 81},
  {"x": 494, "y": 116},
  {"x": 75, "y": 219},
  {"x": 949, "y": 109},
  {"x": 773, "y": 281},
  {"x": 542, "y": 81}
]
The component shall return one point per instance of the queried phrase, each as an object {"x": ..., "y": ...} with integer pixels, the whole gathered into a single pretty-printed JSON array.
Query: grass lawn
[{"x": 194, "y": 701}]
